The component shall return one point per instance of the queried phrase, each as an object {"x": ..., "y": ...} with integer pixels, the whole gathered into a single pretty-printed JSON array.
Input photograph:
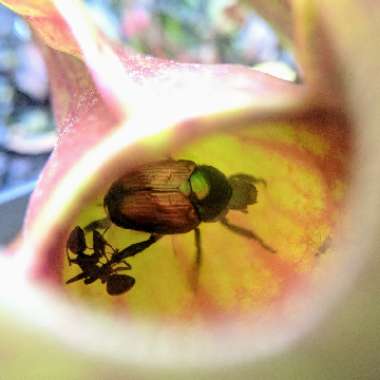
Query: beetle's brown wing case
[
  {"x": 149, "y": 198},
  {"x": 161, "y": 176},
  {"x": 159, "y": 212}
]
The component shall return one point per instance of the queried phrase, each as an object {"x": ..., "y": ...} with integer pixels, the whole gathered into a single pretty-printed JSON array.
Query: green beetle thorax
[{"x": 210, "y": 192}]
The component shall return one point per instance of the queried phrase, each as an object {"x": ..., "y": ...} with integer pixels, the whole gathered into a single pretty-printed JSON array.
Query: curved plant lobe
[
  {"x": 279, "y": 13},
  {"x": 231, "y": 117},
  {"x": 47, "y": 22}
]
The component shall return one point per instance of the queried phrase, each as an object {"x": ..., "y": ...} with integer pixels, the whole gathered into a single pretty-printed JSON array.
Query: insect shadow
[{"x": 163, "y": 198}]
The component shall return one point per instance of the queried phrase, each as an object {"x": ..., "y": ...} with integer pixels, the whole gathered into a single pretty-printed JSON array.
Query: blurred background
[{"x": 205, "y": 31}]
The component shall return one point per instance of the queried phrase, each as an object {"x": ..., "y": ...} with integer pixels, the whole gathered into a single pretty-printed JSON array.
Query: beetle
[
  {"x": 91, "y": 265},
  {"x": 172, "y": 197}
]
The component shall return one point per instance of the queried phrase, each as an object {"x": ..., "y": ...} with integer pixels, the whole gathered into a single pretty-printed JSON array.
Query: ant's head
[
  {"x": 76, "y": 242},
  {"x": 244, "y": 192}
]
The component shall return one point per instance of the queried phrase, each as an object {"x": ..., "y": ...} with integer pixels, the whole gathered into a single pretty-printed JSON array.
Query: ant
[{"x": 91, "y": 265}]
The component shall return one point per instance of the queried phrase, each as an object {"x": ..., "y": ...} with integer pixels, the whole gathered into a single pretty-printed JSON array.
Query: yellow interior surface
[{"x": 295, "y": 214}]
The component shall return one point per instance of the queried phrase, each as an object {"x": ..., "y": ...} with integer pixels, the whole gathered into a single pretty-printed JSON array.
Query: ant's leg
[
  {"x": 100, "y": 224},
  {"x": 127, "y": 265},
  {"x": 69, "y": 259},
  {"x": 246, "y": 233},
  {"x": 134, "y": 249},
  {"x": 78, "y": 277},
  {"x": 121, "y": 269},
  {"x": 99, "y": 244},
  {"x": 90, "y": 280}
]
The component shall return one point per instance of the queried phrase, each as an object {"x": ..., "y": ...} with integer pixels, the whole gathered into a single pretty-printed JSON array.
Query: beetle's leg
[
  {"x": 198, "y": 257},
  {"x": 246, "y": 233},
  {"x": 100, "y": 224},
  {"x": 134, "y": 249}
]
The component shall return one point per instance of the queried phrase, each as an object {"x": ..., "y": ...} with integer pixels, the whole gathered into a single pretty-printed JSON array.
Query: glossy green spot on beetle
[
  {"x": 171, "y": 197},
  {"x": 199, "y": 184}
]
